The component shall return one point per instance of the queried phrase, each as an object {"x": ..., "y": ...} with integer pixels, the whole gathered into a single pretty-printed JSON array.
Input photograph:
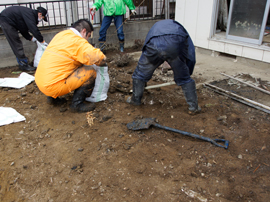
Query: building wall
[{"x": 197, "y": 17}]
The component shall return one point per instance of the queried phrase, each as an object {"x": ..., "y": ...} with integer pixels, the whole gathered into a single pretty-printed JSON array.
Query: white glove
[
  {"x": 44, "y": 43},
  {"x": 93, "y": 9},
  {"x": 133, "y": 12},
  {"x": 34, "y": 39}
]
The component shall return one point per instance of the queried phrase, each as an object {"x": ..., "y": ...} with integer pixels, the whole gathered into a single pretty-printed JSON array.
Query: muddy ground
[{"x": 56, "y": 156}]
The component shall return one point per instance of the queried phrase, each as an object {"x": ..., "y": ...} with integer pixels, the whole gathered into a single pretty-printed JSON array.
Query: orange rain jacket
[{"x": 64, "y": 54}]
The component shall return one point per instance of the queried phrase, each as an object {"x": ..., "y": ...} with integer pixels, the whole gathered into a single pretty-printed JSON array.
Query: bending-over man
[
  {"x": 24, "y": 20},
  {"x": 61, "y": 68},
  {"x": 167, "y": 41}
]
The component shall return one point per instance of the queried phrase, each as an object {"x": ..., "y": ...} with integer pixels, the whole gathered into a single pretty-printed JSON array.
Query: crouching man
[
  {"x": 62, "y": 67},
  {"x": 167, "y": 41}
]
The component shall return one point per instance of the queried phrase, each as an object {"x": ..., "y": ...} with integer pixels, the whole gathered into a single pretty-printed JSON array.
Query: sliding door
[{"x": 247, "y": 20}]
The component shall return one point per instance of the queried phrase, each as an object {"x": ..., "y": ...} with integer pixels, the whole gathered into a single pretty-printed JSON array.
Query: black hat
[{"x": 44, "y": 12}]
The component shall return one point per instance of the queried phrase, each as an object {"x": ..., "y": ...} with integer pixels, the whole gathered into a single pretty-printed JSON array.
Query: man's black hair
[{"x": 83, "y": 24}]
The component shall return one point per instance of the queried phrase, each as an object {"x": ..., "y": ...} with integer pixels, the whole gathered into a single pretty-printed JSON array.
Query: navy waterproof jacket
[
  {"x": 166, "y": 27},
  {"x": 23, "y": 19}
]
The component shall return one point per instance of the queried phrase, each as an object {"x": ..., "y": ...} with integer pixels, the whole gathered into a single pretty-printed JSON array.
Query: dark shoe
[
  {"x": 27, "y": 68},
  {"x": 77, "y": 104},
  {"x": 56, "y": 101},
  {"x": 190, "y": 93},
  {"x": 83, "y": 107},
  {"x": 196, "y": 111},
  {"x": 24, "y": 66},
  {"x": 121, "y": 47},
  {"x": 137, "y": 94}
]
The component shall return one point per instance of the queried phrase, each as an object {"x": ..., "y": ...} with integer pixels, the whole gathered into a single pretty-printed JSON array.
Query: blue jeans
[
  {"x": 179, "y": 52},
  {"x": 118, "y": 20}
]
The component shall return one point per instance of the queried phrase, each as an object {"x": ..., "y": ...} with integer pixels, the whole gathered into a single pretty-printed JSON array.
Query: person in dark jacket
[
  {"x": 24, "y": 20},
  {"x": 167, "y": 41}
]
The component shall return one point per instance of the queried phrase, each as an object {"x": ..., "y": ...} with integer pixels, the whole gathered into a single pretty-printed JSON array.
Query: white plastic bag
[
  {"x": 40, "y": 49},
  {"x": 102, "y": 85}
]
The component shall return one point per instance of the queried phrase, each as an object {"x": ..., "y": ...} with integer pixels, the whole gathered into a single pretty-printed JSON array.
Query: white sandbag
[
  {"x": 40, "y": 49},
  {"x": 20, "y": 82},
  {"x": 102, "y": 85},
  {"x": 9, "y": 115}
]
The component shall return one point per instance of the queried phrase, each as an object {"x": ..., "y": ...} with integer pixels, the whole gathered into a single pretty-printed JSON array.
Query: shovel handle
[{"x": 226, "y": 142}]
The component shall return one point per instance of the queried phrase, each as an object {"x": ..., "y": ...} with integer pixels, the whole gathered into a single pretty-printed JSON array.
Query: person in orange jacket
[{"x": 65, "y": 66}]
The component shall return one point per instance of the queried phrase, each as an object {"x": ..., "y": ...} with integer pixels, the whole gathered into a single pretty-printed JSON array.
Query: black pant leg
[{"x": 13, "y": 38}]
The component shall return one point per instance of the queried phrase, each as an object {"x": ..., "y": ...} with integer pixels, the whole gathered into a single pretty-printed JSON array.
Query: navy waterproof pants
[
  {"x": 178, "y": 51},
  {"x": 118, "y": 22}
]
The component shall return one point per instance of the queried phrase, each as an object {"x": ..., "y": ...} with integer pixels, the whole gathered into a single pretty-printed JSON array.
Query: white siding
[
  {"x": 266, "y": 56},
  {"x": 252, "y": 53},
  {"x": 233, "y": 49},
  {"x": 217, "y": 46}
]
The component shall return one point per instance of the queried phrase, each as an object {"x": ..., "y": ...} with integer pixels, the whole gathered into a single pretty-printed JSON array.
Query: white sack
[
  {"x": 9, "y": 115},
  {"x": 40, "y": 49},
  {"x": 102, "y": 85},
  {"x": 20, "y": 82}
]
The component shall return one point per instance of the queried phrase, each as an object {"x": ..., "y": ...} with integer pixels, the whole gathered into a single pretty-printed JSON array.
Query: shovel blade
[{"x": 141, "y": 124}]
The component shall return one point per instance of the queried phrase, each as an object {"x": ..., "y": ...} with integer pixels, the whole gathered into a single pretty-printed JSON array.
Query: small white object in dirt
[
  {"x": 9, "y": 115},
  {"x": 193, "y": 194},
  {"x": 172, "y": 116},
  {"x": 201, "y": 131},
  {"x": 12, "y": 163},
  {"x": 240, "y": 156},
  {"x": 20, "y": 82}
]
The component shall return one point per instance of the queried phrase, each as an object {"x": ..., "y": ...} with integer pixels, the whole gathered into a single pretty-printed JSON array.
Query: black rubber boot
[
  {"x": 77, "y": 104},
  {"x": 102, "y": 47},
  {"x": 121, "y": 46},
  {"x": 189, "y": 90},
  {"x": 138, "y": 88},
  {"x": 56, "y": 101}
]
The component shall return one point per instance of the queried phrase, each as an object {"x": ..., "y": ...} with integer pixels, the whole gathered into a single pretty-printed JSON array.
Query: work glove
[
  {"x": 44, "y": 43},
  {"x": 34, "y": 39},
  {"x": 133, "y": 12},
  {"x": 93, "y": 9}
]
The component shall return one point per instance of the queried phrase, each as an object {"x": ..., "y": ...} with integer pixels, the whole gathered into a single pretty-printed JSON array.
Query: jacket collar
[{"x": 76, "y": 31}]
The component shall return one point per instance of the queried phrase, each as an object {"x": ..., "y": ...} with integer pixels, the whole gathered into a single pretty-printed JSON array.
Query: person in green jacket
[{"x": 113, "y": 9}]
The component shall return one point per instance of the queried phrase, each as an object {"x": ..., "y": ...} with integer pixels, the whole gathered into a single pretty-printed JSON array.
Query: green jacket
[{"x": 114, "y": 7}]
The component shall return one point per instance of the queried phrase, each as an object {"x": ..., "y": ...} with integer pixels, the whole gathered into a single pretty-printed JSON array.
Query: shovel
[
  {"x": 147, "y": 122},
  {"x": 92, "y": 13}
]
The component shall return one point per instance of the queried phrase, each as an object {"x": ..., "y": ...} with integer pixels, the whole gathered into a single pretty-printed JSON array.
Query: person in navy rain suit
[{"x": 167, "y": 41}]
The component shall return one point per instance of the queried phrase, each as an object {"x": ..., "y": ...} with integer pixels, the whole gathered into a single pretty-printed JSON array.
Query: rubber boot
[
  {"x": 121, "y": 46},
  {"x": 138, "y": 88},
  {"x": 77, "y": 103},
  {"x": 56, "y": 101},
  {"x": 102, "y": 47},
  {"x": 189, "y": 90},
  {"x": 24, "y": 66}
]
